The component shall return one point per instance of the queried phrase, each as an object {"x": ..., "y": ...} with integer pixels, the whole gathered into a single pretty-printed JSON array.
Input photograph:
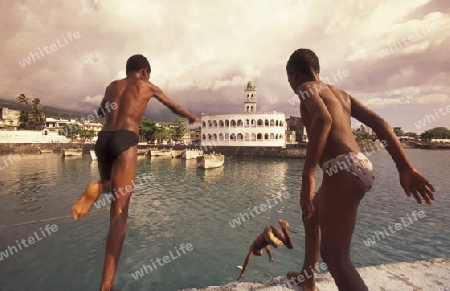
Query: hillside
[{"x": 49, "y": 111}]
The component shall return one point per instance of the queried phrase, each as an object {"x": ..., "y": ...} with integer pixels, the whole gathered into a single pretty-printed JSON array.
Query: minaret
[{"x": 250, "y": 98}]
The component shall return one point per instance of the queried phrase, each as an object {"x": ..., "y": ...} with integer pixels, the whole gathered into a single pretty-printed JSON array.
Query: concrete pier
[{"x": 429, "y": 275}]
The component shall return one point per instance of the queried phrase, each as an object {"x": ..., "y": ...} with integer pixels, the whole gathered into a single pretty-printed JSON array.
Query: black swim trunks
[{"x": 111, "y": 144}]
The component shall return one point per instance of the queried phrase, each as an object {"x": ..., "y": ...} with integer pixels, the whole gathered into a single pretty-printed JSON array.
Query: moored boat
[
  {"x": 209, "y": 161},
  {"x": 71, "y": 152},
  {"x": 176, "y": 153},
  {"x": 160, "y": 153},
  {"x": 191, "y": 154}
]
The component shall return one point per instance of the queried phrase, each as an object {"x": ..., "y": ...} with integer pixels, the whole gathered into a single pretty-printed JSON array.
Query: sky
[{"x": 391, "y": 55}]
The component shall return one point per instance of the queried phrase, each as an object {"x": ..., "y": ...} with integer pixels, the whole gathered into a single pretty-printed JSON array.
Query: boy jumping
[{"x": 116, "y": 149}]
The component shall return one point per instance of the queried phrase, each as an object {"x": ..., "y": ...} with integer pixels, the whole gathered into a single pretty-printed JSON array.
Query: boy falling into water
[
  {"x": 329, "y": 216},
  {"x": 116, "y": 149}
]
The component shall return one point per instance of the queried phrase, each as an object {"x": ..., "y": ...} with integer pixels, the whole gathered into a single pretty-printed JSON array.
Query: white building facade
[{"x": 251, "y": 128}]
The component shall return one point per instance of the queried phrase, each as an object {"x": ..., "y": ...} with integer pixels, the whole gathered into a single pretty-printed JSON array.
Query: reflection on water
[{"x": 188, "y": 205}]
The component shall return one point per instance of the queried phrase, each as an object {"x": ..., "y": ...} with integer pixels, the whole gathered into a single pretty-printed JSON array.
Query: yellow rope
[{"x": 46, "y": 219}]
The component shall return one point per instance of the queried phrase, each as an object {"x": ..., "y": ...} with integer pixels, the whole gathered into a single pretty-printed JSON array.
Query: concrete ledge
[{"x": 429, "y": 275}]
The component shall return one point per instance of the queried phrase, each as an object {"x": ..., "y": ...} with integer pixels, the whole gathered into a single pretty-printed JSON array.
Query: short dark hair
[
  {"x": 305, "y": 61},
  {"x": 136, "y": 63}
]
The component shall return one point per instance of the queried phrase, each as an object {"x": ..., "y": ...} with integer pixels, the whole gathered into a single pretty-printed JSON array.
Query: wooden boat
[
  {"x": 160, "y": 153},
  {"x": 191, "y": 154},
  {"x": 46, "y": 151},
  {"x": 71, "y": 152},
  {"x": 177, "y": 153},
  {"x": 210, "y": 161},
  {"x": 93, "y": 155}
]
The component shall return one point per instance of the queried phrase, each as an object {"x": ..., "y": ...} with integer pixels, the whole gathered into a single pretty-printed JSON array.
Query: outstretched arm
[
  {"x": 410, "y": 179},
  {"x": 174, "y": 107},
  {"x": 247, "y": 260},
  {"x": 102, "y": 104}
]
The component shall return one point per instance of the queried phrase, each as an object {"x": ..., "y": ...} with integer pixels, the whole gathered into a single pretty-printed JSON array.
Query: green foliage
[
  {"x": 361, "y": 134},
  {"x": 179, "y": 126},
  {"x": 437, "y": 132},
  {"x": 72, "y": 130},
  {"x": 86, "y": 134},
  {"x": 147, "y": 129},
  {"x": 398, "y": 131}
]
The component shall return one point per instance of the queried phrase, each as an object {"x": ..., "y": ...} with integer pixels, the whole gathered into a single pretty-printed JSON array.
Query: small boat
[
  {"x": 46, "y": 151},
  {"x": 191, "y": 154},
  {"x": 177, "y": 153},
  {"x": 93, "y": 155},
  {"x": 71, "y": 152},
  {"x": 160, "y": 153},
  {"x": 210, "y": 161}
]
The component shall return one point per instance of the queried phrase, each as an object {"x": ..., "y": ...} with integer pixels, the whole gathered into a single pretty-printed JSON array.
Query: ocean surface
[{"x": 181, "y": 223}]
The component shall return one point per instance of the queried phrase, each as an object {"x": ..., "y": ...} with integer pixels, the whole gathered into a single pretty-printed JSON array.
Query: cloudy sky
[{"x": 202, "y": 53}]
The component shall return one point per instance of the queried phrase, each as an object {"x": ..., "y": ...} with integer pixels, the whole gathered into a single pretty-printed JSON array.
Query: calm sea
[{"x": 186, "y": 205}]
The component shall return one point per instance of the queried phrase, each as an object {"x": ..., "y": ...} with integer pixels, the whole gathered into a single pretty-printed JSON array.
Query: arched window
[
  {"x": 272, "y": 136},
  {"x": 246, "y": 137},
  {"x": 240, "y": 123},
  {"x": 209, "y": 123},
  {"x": 233, "y": 123},
  {"x": 227, "y": 123},
  {"x": 266, "y": 136},
  {"x": 232, "y": 137},
  {"x": 247, "y": 122},
  {"x": 276, "y": 123},
  {"x": 209, "y": 137},
  {"x": 281, "y": 136},
  {"x": 214, "y": 136},
  {"x": 221, "y": 124},
  {"x": 253, "y": 123},
  {"x": 240, "y": 136},
  {"x": 259, "y": 122},
  {"x": 281, "y": 123},
  {"x": 215, "y": 123},
  {"x": 203, "y": 136},
  {"x": 227, "y": 137},
  {"x": 253, "y": 137},
  {"x": 259, "y": 137},
  {"x": 272, "y": 122},
  {"x": 204, "y": 124},
  {"x": 221, "y": 137},
  {"x": 266, "y": 122}
]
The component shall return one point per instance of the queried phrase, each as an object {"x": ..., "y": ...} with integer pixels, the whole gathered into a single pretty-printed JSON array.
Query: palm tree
[
  {"x": 22, "y": 99},
  {"x": 36, "y": 107}
]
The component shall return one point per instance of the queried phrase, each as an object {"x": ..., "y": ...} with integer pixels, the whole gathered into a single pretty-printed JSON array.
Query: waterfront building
[
  {"x": 9, "y": 119},
  {"x": 248, "y": 128}
]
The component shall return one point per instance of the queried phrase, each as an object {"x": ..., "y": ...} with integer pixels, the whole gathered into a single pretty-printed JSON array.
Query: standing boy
[
  {"x": 116, "y": 149},
  {"x": 329, "y": 216}
]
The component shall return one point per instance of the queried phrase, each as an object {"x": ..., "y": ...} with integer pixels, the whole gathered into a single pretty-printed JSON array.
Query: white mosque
[{"x": 250, "y": 128}]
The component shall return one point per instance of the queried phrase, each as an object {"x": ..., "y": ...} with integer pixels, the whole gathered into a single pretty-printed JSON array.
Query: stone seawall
[{"x": 291, "y": 151}]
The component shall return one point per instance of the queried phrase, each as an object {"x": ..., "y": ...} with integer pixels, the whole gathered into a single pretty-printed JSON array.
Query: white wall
[{"x": 28, "y": 136}]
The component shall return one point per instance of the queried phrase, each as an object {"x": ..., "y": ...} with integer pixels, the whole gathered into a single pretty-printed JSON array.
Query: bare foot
[
  {"x": 284, "y": 223},
  {"x": 297, "y": 278},
  {"x": 86, "y": 200},
  {"x": 276, "y": 242}
]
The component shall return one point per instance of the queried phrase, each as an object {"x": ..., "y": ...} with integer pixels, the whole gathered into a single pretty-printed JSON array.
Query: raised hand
[{"x": 416, "y": 185}]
